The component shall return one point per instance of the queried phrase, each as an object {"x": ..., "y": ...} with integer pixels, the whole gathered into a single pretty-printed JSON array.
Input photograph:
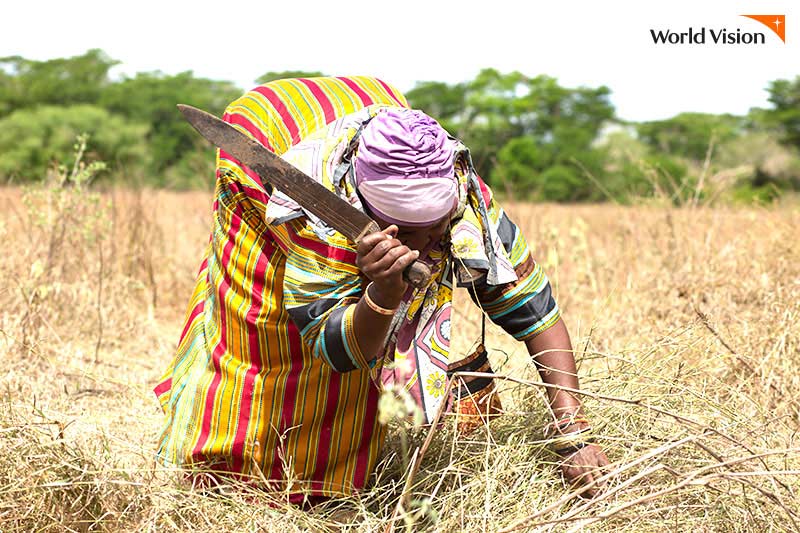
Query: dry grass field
[{"x": 686, "y": 324}]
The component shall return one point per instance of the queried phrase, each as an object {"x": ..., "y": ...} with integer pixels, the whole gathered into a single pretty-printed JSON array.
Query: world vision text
[{"x": 707, "y": 36}]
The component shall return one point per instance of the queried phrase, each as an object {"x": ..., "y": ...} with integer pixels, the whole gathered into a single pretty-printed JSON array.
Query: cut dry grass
[{"x": 685, "y": 323}]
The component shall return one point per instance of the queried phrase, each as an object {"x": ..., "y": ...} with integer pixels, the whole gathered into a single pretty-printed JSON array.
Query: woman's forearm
[
  {"x": 552, "y": 353},
  {"x": 370, "y": 325}
]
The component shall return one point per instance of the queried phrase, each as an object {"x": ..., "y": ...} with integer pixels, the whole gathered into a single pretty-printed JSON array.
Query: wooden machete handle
[{"x": 417, "y": 274}]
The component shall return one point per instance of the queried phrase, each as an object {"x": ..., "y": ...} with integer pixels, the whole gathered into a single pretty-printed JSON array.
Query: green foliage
[
  {"x": 528, "y": 170},
  {"x": 749, "y": 194},
  {"x": 518, "y": 162},
  {"x": 560, "y": 183},
  {"x": 634, "y": 171},
  {"x": 26, "y": 83},
  {"x": 132, "y": 122},
  {"x": 66, "y": 191},
  {"x": 624, "y": 176},
  {"x": 689, "y": 134},
  {"x": 785, "y": 97},
  {"x": 530, "y": 137},
  {"x": 152, "y": 97},
  {"x": 195, "y": 170},
  {"x": 32, "y": 140},
  {"x": 669, "y": 178},
  {"x": 284, "y": 74}
]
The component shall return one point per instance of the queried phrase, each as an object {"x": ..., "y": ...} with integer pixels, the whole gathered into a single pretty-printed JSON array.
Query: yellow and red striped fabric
[{"x": 242, "y": 394}]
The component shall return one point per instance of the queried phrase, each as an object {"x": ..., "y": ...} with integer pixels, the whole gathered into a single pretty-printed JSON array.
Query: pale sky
[{"x": 577, "y": 42}]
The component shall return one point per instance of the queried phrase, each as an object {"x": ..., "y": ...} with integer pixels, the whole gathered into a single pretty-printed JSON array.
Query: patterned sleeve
[
  {"x": 525, "y": 307},
  {"x": 321, "y": 286}
]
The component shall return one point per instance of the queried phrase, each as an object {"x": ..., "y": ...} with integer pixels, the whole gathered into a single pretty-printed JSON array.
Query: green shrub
[{"x": 32, "y": 140}]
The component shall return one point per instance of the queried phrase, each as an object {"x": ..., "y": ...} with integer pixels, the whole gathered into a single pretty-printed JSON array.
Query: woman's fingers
[
  {"x": 585, "y": 467},
  {"x": 375, "y": 245},
  {"x": 586, "y": 479},
  {"x": 581, "y": 477},
  {"x": 381, "y": 256},
  {"x": 368, "y": 242},
  {"x": 385, "y": 253},
  {"x": 402, "y": 262}
]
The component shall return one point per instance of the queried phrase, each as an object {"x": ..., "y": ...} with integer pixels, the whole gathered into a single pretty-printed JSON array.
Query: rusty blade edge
[{"x": 308, "y": 193}]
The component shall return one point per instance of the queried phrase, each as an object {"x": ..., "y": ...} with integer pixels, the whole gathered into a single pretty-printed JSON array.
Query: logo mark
[{"x": 776, "y": 23}]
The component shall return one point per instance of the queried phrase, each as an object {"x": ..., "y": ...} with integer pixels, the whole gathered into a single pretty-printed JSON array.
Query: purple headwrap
[{"x": 404, "y": 168}]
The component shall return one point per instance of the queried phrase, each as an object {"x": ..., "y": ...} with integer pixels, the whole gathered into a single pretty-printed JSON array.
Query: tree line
[{"x": 530, "y": 137}]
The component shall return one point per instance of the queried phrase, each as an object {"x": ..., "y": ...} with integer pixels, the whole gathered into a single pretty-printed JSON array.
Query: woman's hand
[
  {"x": 383, "y": 258},
  {"x": 584, "y": 466}
]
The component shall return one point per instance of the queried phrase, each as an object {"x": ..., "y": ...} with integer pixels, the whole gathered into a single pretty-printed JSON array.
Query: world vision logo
[{"x": 704, "y": 35}]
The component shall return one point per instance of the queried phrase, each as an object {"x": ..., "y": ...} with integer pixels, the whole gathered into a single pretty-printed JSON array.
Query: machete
[{"x": 309, "y": 194}]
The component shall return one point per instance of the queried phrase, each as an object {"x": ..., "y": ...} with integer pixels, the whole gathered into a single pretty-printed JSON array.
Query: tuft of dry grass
[{"x": 685, "y": 325}]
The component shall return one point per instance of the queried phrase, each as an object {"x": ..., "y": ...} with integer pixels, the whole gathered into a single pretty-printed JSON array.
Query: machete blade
[{"x": 309, "y": 194}]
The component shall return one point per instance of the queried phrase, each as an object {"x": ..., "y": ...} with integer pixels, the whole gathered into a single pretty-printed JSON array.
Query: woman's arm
[
  {"x": 382, "y": 259},
  {"x": 552, "y": 353}
]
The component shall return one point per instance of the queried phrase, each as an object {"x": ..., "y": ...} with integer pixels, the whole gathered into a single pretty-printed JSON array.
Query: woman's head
[{"x": 404, "y": 169}]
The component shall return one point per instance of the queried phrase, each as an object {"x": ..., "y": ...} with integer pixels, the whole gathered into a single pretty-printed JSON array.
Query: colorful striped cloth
[{"x": 262, "y": 386}]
